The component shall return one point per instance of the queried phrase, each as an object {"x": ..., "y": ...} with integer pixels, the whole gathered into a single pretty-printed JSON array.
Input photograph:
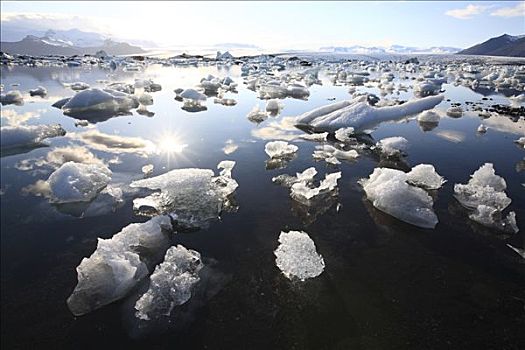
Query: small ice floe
[
  {"x": 332, "y": 155},
  {"x": 280, "y": 149},
  {"x": 274, "y": 107},
  {"x": 485, "y": 195},
  {"x": 122, "y": 87},
  {"x": 60, "y": 103},
  {"x": 192, "y": 100},
  {"x": 146, "y": 99},
  {"x": 118, "y": 264},
  {"x": 428, "y": 120},
  {"x": 360, "y": 115},
  {"x": 225, "y": 101},
  {"x": 39, "y": 91},
  {"x": 304, "y": 193},
  {"x": 13, "y": 97},
  {"x": 171, "y": 284},
  {"x": 389, "y": 191},
  {"x": 425, "y": 176},
  {"x": 517, "y": 100},
  {"x": 256, "y": 115},
  {"x": 520, "y": 252},
  {"x": 14, "y": 136},
  {"x": 78, "y": 86},
  {"x": 72, "y": 183},
  {"x": 344, "y": 134},
  {"x": 210, "y": 84},
  {"x": 191, "y": 196},
  {"x": 392, "y": 146},
  {"x": 297, "y": 257},
  {"x": 97, "y": 105},
  {"x": 520, "y": 141},
  {"x": 455, "y": 112},
  {"x": 317, "y": 137},
  {"x": 147, "y": 170},
  {"x": 229, "y": 147},
  {"x": 286, "y": 180},
  {"x": 81, "y": 123},
  {"x": 481, "y": 129},
  {"x": 426, "y": 88}
]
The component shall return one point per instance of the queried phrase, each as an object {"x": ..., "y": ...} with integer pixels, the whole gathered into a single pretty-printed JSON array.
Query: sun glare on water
[{"x": 170, "y": 144}]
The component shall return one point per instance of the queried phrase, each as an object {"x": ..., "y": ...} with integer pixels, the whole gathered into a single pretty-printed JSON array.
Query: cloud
[
  {"x": 114, "y": 143},
  {"x": 516, "y": 11},
  {"x": 467, "y": 12}
]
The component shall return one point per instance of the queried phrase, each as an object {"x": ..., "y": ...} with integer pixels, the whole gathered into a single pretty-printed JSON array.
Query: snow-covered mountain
[{"x": 394, "y": 49}]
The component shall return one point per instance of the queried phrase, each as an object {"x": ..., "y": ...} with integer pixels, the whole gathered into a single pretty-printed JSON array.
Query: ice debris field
[{"x": 316, "y": 129}]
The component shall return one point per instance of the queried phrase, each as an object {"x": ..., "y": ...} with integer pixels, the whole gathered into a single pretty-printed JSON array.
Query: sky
[{"x": 279, "y": 25}]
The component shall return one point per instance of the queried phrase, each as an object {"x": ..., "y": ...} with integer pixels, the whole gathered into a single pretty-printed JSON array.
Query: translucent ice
[
  {"x": 389, "y": 192},
  {"x": 256, "y": 115},
  {"x": 303, "y": 192},
  {"x": 296, "y": 256},
  {"x": 393, "y": 146},
  {"x": 344, "y": 134},
  {"x": 22, "y": 135},
  {"x": 92, "y": 104},
  {"x": 118, "y": 264},
  {"x": 429, "y": 116},
  {"x": 332, "y": 155},
  {"x": 280, "y": 149},
  {"x": 424, "y": 175},
  {"x": 171, "y": 283}
]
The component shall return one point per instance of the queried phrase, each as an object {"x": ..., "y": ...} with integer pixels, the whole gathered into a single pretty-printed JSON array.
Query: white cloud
[
  {"x": 467, "y": 12},
  {"x": 516, "y": 11}
]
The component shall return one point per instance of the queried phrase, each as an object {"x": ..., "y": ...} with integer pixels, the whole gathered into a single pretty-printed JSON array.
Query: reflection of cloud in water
[
  {"x": 451, "y": 135},
  {"x": 230, "y": 147},
  {"x": 278, "y": 130},
  {"x": 505, "y": 124},
  {"x": 12, "y": 117},
  {"x": 114, "y": 143}
]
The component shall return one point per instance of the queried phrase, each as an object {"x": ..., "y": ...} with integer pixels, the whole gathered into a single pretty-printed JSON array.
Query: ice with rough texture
[
  {"x": 425, "y": 175},
  {"x": 93, "y": 103},
  {"x": 389, "y": 192},
  {"x": 12, "y": 136},
  {"x": 280, "y": 149},
  {"x": 39, "y": 91},
  {"x": 77, "y": 182},
  {"x": 256, "y": 115},
  {"x": 147, "y": 169},
  {"x": 331, "y": 155},
  {"x": 288, "y": 180},
  {"x": 455, "y": 112},
  {"x": 343, "y": 134},
  {"x": 118, "y": 264},
  {"x": 13, "y": 97},
  {"x": 171, "y": 283},
  {"x": 192, "y": 196},
  {"x": 429, "y": 116},
  {"x": 297, "y": 257},
  {"x": 363, "y": 117},
  {"x": 485, "y": 194},
  {"x": 304, "y": 193},
  {"x": 393, "y": 146}
]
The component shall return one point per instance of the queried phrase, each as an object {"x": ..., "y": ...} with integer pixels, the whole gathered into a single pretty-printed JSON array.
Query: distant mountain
[
  {"x": 505, "y": 45},
  {"x": 235, "y": 46},
  {"x": 394, "y": 49},
  {"x": 52, "y": 44}
]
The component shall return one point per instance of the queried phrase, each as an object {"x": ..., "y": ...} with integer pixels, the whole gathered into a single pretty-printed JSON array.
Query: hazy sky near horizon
[{"x": 279, "y": 25}]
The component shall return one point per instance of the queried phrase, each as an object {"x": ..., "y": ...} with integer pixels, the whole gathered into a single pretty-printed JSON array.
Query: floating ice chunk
[
  {"x": 520, "y": 252},
  {"x": 146, "y": 99},
  {"x": 318, "y": 137},
  {"x": 192, "y": 196},
  {"x": 118, "y": 264},
  {"x": 303, "y": 193},
  {"x": 426, "y": 88},
  {"x": 13, "y": 97},
  {"x": 273, "y": 106},
  {"x": 27, "y": 136},
  {"x": 297, "y": 257},
  {"x": 287, "y": 180},
  {"x": 171, "y": 284},
  {"x": 517, "y": 100},
  {"x": 81, "y": 123},
  {"x": 424, "y": 175},
  {"x": 93, "y": 104},
  {"x": 147, "y": 170},
  {"x": 485, "y": 193},
  {"x": 482, "y": 129},
  {"x": 79, "y": 86},
  {"x": 60, "y": 103},
  {"x": 520, "y": 141},
  {"x": 393, "y": 146},
  {"x": 429, "y": 116},
  {"x": 256, "y": 115},
  {"x": 77, "y": 182},
  {"x": 360, "y": 115},
  {"x": 389, "y": 192},
  {"x": 331, "y": 154},
  {"x": 192, "y": 96},
  {"x": 280, "y": 149},
  {"x": 225, "y": 101},
  {"x": 455, "y": 112},
  {"x": 226, "y": 166},
  {"x": 343, "y": 134},
  {"x": 39, "y": 91}
]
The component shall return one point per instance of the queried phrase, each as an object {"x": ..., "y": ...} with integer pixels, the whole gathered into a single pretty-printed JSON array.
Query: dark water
[{"x": 386, "y": 285}]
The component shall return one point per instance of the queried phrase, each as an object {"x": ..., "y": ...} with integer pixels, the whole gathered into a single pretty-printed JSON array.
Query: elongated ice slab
[
  {"x": 171, "y": 283},
  {"x": 28, "y": 135},
  {"x": 118, "y": 264},
  {"x": 358, "y": 114},
  {"x": 192, "y": 196},
  {"x": 297, "y": 257},
  {"x": 389, "y": 192}
]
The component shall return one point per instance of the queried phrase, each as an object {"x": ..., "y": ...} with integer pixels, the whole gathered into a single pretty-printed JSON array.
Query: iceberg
[
  {"x": 297, "y": 257},
  {"x": 191, "y": 196},
  {"x": 171, "y": 283},
  {"x": 118, "y": 264},
  {"x": 389, "y": 192},
  {"x": 361, "y": 116}
]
